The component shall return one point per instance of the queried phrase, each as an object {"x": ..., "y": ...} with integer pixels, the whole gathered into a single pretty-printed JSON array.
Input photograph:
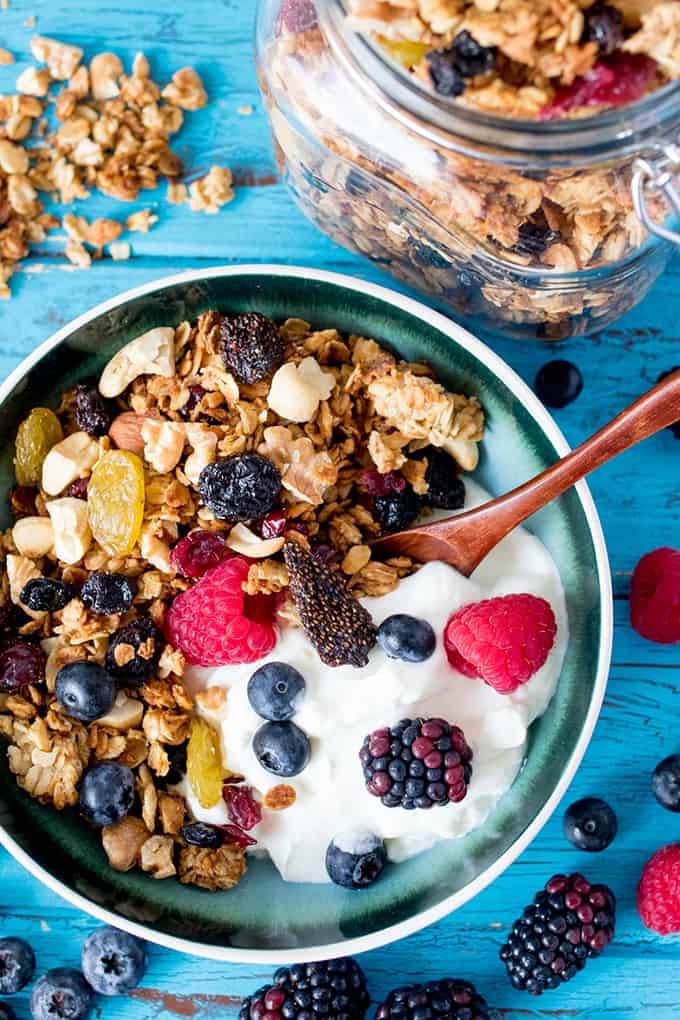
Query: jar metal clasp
[{"x": 656, "y": 175}]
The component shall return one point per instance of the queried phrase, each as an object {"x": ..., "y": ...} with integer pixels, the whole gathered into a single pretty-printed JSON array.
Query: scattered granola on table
[
  {"x": 101, "y": 594},
  {"x": 113, "y": 134}
]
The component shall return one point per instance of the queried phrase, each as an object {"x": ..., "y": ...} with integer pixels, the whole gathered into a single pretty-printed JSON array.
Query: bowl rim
[{"x": 516, "y": 384}]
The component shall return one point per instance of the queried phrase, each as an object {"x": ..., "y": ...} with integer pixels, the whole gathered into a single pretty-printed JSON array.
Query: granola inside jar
[{"x": 520, "y": 221}]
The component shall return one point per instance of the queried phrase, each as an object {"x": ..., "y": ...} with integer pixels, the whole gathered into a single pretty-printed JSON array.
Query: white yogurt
[{"x": 344, "y": 704}]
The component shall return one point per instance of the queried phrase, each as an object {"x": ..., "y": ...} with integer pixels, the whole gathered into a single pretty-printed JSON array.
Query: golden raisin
[
  {"x": 36, "y": 436},
  {"x": 204, "y": 763},
  {"x": 115, "y": 501}
]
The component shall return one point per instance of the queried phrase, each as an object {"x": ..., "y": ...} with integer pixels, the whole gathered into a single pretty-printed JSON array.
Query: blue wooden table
[{"x": 638, "y": 497}]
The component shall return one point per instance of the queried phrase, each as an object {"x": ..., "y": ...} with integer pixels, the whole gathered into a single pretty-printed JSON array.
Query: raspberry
[
  {"x": 655, "y": 596},
  {"x": 252, "y": 346},
  {"x": 615, "y": 81},
  {"x": 215, "y": 622},
  {"x": 503, "y": 640},
  {"x": 242, "y": 808},
  {"x": 198, "y": 552},
  {"x": 658, "y": 896}
]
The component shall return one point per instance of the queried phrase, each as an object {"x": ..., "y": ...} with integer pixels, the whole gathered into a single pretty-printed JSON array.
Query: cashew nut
[
  {"x": 72, "y": 535},
  {"x": 242, "y": 540},
  {"x": 152, "y": 353},
  {"x": 72, "y": 458}
]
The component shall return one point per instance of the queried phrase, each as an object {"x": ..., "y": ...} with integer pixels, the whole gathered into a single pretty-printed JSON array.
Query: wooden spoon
[{"x": 465, "y": 539}]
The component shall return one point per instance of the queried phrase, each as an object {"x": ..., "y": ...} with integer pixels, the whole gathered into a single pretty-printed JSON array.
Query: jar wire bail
[{"x": 653, "y": 176}]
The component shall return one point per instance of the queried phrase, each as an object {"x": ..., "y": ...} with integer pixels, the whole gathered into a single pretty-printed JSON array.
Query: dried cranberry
[
  {"x": 242, "y": 808},
  {"x": 198, "y": 552},
  {"x": 326, "y": 554},
  {"x": 78, "y": 489},
  {"x": 274, "y": 524},
  {"x": 196, "y": 394},
  {"x": 376, "y": 484},
  {"x": 234, "y": 834},
  {"x": 300, "y": 526},
  {"x": 296, "y": 16},
  {"x": 615, "y": 81},
  {"x": 21, "y": 663}
]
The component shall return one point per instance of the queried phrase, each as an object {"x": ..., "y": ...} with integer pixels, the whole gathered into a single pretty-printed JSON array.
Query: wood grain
[{"x": 638, "y": 496}]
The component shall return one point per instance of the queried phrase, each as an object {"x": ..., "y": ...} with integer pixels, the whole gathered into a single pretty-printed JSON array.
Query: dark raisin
[
  {"x": 108, "y": 593},
  {"x": 92, "y": 413},
  {"x": 604, "y": 26},
  {"x": 470, "y": 58},
  {"x": 45, "y": 595},
  {"x": 398, "y": 510},
  {"x": 134, "y": 651},
  {"x": 78, "y": 489},
  {"x": 252, "y": 346},
  {"x": 203, "y": 834},
  {"x": 242, "y": 487},
  {"x": 446, "y": 78},
  {"x": 534, "y": 239}
]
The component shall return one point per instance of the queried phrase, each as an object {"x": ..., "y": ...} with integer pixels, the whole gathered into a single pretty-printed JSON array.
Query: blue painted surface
[{"x": 638, "y": 497}]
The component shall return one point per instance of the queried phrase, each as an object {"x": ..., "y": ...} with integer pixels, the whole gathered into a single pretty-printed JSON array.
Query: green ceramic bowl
[{"x": 266, "y": 919}]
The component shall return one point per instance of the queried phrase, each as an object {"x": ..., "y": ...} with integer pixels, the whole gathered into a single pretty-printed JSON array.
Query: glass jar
[{"x": 438, "y": 193}]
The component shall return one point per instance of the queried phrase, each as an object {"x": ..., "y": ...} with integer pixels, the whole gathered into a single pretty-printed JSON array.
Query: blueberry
[
  {"x": 355, "y": 859},
  {"x": 590, "y": 824},
  {"x": 666, "y": 782},
  {"x": 446, "y": 78},
  {"x": 558, "y": 383},
  {"x": 61, "y": 994},
  {"x": 404, "y": 637},
  {"x": 85, "y": 690},
  {"x": 45, "y": 595},
  {"x": 282, "y": 748},
  {"x": 107, "y": 793},
  {"x": 275, "y": 691},
  {"x": 17, "y": 963},
  {"x": 113, "y": 962},
  {"x": 203, "y": 834},
  {"x": 6, "y": 1012},
  {"x": 108, "y": 593},
  {"x": 470, "y": 58}
]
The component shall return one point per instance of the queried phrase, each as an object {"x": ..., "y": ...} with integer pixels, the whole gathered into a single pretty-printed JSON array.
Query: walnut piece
[
  {"x": 306, "y": 473},
  {"x": 163, "y": 443}
]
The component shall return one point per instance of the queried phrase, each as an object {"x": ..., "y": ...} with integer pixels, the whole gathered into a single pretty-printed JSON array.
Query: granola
[
  {"x": 171, "y": 411},
  {"x": 113, "y": 134}
]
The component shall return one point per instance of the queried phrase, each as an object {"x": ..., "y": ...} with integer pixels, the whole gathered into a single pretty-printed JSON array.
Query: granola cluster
[
  {"x": 113, "y": 134},
  {"x": 511, "y": 57},
  {"x": 87, "y": 577},
  {"x": 465, "y": 228}
]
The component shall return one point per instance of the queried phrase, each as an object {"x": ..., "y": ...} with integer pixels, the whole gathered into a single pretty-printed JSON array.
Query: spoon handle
[{"x": 653, "y": 411}]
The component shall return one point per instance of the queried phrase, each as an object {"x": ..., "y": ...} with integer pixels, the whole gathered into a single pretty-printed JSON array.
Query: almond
[{"x": 126, "y": 432}]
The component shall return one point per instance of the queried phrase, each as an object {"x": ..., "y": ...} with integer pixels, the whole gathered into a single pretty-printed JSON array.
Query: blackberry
[
  {"x": 569, "y": 921},
  {"x": 419, "y": 763},
  {"x": 675, "y": 429},
  {"x": 446, "y": 999},
  {"x": 134, "y": 651},
  {"x": 336, "y": 623},
  {"x": 108, "y": 593},
  {"x": 534, "y": 239},
  {"x": 335, "y": 990},
  {"x": 470, "y": 57},
  {"x": 251, "y": 346},
  {"x": 604, "y": 26},
  {"x": 446, "y": 490},
  {"x": 92, "y": 413},
  {"x": 398, "y": 510},
  {"x": 241, "y": 487},
  {"x": 45, "y": 595}
]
